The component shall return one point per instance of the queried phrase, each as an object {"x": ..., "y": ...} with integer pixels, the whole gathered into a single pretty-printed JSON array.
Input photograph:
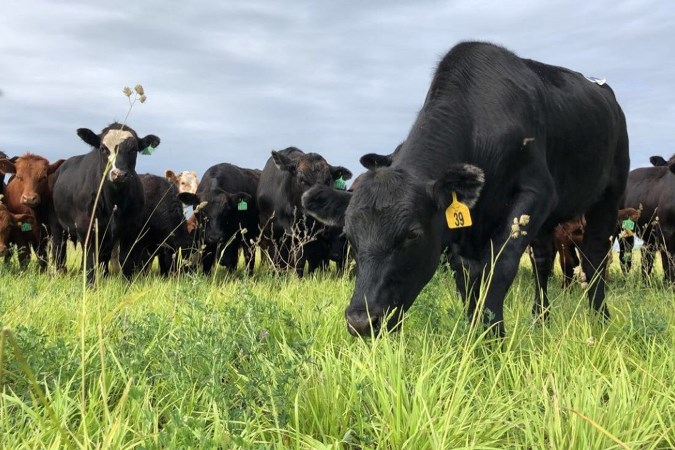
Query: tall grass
[{"x": 229, "y": 361}]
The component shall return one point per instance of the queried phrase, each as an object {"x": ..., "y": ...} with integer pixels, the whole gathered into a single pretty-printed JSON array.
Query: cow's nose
[
  {"x": 362, "y": 324},
  {"x": 30, "y": 199},
  {"x": 118, "y": 175}
]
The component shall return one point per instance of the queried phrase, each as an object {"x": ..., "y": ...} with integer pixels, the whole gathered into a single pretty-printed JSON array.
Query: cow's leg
[
  {"x": 626, "y": 253},
  {"x": 41, "y": 249},
  {"x": 543, "y": 254},
  {"x": 131, "y": 257},
  {"x": 23, "y": 253},
  {"x": 568, "y": 261},
  {"x": 668, "y": 257},
  {"x": 600, "y": 226},
  {"x": 229, "y": 256},
  {"x": 59, "y": 246},
  {"x": 208, "y": 258}
]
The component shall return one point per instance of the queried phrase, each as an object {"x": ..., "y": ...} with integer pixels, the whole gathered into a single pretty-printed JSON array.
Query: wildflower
[
  {"x": 139, "y": 90},
  {"x": 127, "y": 91}
]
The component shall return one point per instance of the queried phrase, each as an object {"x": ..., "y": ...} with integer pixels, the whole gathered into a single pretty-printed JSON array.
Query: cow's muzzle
[
  {"x": 30, "y": 200},
  {"x": 119, "y": 176},
  {"x": 361, "y": 323}
]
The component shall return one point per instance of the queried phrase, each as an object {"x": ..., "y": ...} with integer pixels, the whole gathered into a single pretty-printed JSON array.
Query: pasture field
[{"x": 228, "y": 361}]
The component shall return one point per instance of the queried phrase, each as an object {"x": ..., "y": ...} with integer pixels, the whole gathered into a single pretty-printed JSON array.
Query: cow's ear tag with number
[
  {"x": 341, "y": 184},
  {"x": 149, "y": 150},
  {"x": 26, "y": 226},
  {"x": 457, "y": 214},
  {"x": 242, "y": 205},
  {"x": 628, "y": 226}
]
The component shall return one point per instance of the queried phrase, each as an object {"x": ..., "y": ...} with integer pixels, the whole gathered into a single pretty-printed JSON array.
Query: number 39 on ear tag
[{"x": 457, "y": 214}]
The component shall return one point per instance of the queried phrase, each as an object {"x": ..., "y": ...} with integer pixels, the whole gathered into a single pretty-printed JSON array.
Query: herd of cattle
[{"x": 517, "y": 153}]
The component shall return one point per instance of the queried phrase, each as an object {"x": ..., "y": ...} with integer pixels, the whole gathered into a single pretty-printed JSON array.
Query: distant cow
[
  {"x": 225, "y": 205},
  {"x": 184, "y": 181},
  {"x": 653, "y": 189},
  {"x": 540, "y": 144},
  {"x": 568, "y": 237},
  {"x": 29, "y": 192},
  {"x": 164, "y": 231},
  {"x": 108, "y": 217},
  {"x": 12, "y": 231},
  {"x": 289, "y": 235}
]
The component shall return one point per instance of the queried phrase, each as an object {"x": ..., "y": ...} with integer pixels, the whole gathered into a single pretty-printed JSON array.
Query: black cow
[
  {"x": 544, "y": 143},
  {"x": 164, "y": 230},
  {"x": 113, "y": 215},
  {"x": 653, "y": 190},
  {"x": 225, "y": 205},
  {"x": 289, "y": 235},
  {"x": 2, "y": 175}
]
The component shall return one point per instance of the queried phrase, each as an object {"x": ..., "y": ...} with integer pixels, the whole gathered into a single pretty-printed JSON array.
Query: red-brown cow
[
  {"x": 568, "y": 236},
  {"x": 29, "y": 192},
  {"x": 11, "y": 226}
]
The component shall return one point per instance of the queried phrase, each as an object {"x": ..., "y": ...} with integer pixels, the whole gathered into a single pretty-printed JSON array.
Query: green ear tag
[
  {"x": 25, "y": 226},
  {"x": 628, "y": 225},
  {"x": 340, "y": 184},
  {"x": 148, "y": 150},
  {"x": 242, "y": 205}
]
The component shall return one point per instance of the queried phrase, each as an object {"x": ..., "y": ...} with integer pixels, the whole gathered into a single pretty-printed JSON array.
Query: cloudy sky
[{"x": 228, "y": 81}]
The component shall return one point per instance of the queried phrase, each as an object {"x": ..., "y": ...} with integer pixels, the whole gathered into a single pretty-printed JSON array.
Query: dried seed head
[
  {"x": 139, "y": 89},
  {"x": 127, "y": 91},
  {"x": 524, "y": 219},
  {"x": 142, "y": 98}
]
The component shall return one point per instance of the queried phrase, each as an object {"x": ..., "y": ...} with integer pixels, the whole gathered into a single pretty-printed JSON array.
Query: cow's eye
[{"x": 413, "y": 235}]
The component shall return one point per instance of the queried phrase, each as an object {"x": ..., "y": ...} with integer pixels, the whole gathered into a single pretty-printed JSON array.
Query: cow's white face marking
[{"x": 112, "y": 140}]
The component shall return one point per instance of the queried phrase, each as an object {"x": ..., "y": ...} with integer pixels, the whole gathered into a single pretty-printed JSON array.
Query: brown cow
[
  {"x": 29, "y": 192},
  {"x": 568, "y": 236},
  {"x": 11, "y": 226}
]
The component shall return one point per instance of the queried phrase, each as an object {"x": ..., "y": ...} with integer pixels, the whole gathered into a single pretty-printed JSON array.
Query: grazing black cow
[
  {"x": 114, "y": 214},
  {"x": 653, "y": 190},
  {"x": 225, "y": 205},
  {"x": 289, "y": 235},
  {"x": 544, "y": 143},
  {"x": 164, "y": 230}
]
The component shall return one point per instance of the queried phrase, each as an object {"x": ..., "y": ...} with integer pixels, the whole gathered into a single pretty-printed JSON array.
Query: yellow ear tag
[{"x": 457, "y": 214}]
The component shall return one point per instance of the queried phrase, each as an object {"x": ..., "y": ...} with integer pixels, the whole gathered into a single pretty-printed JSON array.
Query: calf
[
  {"x": 98, "y": 197},
  {"x": 226, "y": 215},
  {"x": 514, "y": 139},
  {"x": 288, "y": 234},
  {"x": 18, "y": 229},
  {"x": 568, "y": 237},
  {"x": 29, "y": 192},
  {"x": 652, "y": 189}
]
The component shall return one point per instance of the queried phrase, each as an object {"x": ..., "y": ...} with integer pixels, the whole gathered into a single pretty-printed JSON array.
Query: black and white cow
[
  {"x": 540, "y": 144},
  {"x": 289, "y": 235},
  {"x": 112, "y": 215},
  {"x": 225, "y": 206},
  {"x": 652, "y": 190}
]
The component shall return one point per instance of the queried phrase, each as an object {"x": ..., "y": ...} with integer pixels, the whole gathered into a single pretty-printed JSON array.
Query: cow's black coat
[
  {"x": 653, "y": 190},
  {"x": 113, "y": 216},
  {"x": 552, "y": 145},
  {"x": 220, "y": 220}
]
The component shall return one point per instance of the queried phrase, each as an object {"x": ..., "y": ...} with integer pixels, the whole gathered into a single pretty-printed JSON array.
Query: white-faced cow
[
  {"x": 290, "y": 235},
  {"x": 185, "y": 181},
  {"x": 540, "y": 144},
  {"x": 225, "y": 207},
  {"x": 653, "y": 190},
  {"x": 98, "y": 197}
]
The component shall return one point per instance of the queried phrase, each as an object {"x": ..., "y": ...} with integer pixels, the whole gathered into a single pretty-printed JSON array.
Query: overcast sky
[{"x": 228, "y": 81}]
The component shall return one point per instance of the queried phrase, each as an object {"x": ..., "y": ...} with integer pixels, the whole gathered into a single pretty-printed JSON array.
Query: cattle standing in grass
[
  {"x": 11, "y": 232},
  {"x": 225, "y": 206},
  {"x": 289, "y": 235},
  {"x": 29, "y": 192},
  {"x": 164, "y": 231},
  {"x": 653, "y": 190},
  {"x": 545, "y": 145},
  {"x": 108, "y": 217}
]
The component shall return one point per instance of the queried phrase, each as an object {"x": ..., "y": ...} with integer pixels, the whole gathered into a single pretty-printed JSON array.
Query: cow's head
[
  {"x": 120, "y": 145},
  {"x": 10, "y": 223},
  {"x": 30, "y": 177},
  {"x": 184, "y": 181},
  {"x": 659, "y": 161},
  {"x": 216, "y": 211},
  {"x": 307, "y": 170},
  {"x": 397, "y": 225}
]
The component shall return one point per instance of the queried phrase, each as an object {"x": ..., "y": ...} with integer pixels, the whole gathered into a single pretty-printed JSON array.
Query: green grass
[{"x": 266, "y": 362}]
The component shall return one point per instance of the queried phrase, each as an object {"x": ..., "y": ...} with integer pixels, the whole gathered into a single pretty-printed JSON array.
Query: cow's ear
[
  {"x": 372, "y": 161},
  {"x": 89, "y": 137},
  {"x": 326, "y": 204},
  {"x": 170, "y": 175},
  {"x": 658, "y": 161},
  {"x": 672, "y": 167},
  {"x": 283, "y": 162},
  {"x": 189, "y": 198},
  {"x": 149, "y": 141},
  {"x": 339, "y": 171},
  {"x": 465, "y": 180},
  {"x": 55, "y": 165},
  {"x": 7, "y": 166}
]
